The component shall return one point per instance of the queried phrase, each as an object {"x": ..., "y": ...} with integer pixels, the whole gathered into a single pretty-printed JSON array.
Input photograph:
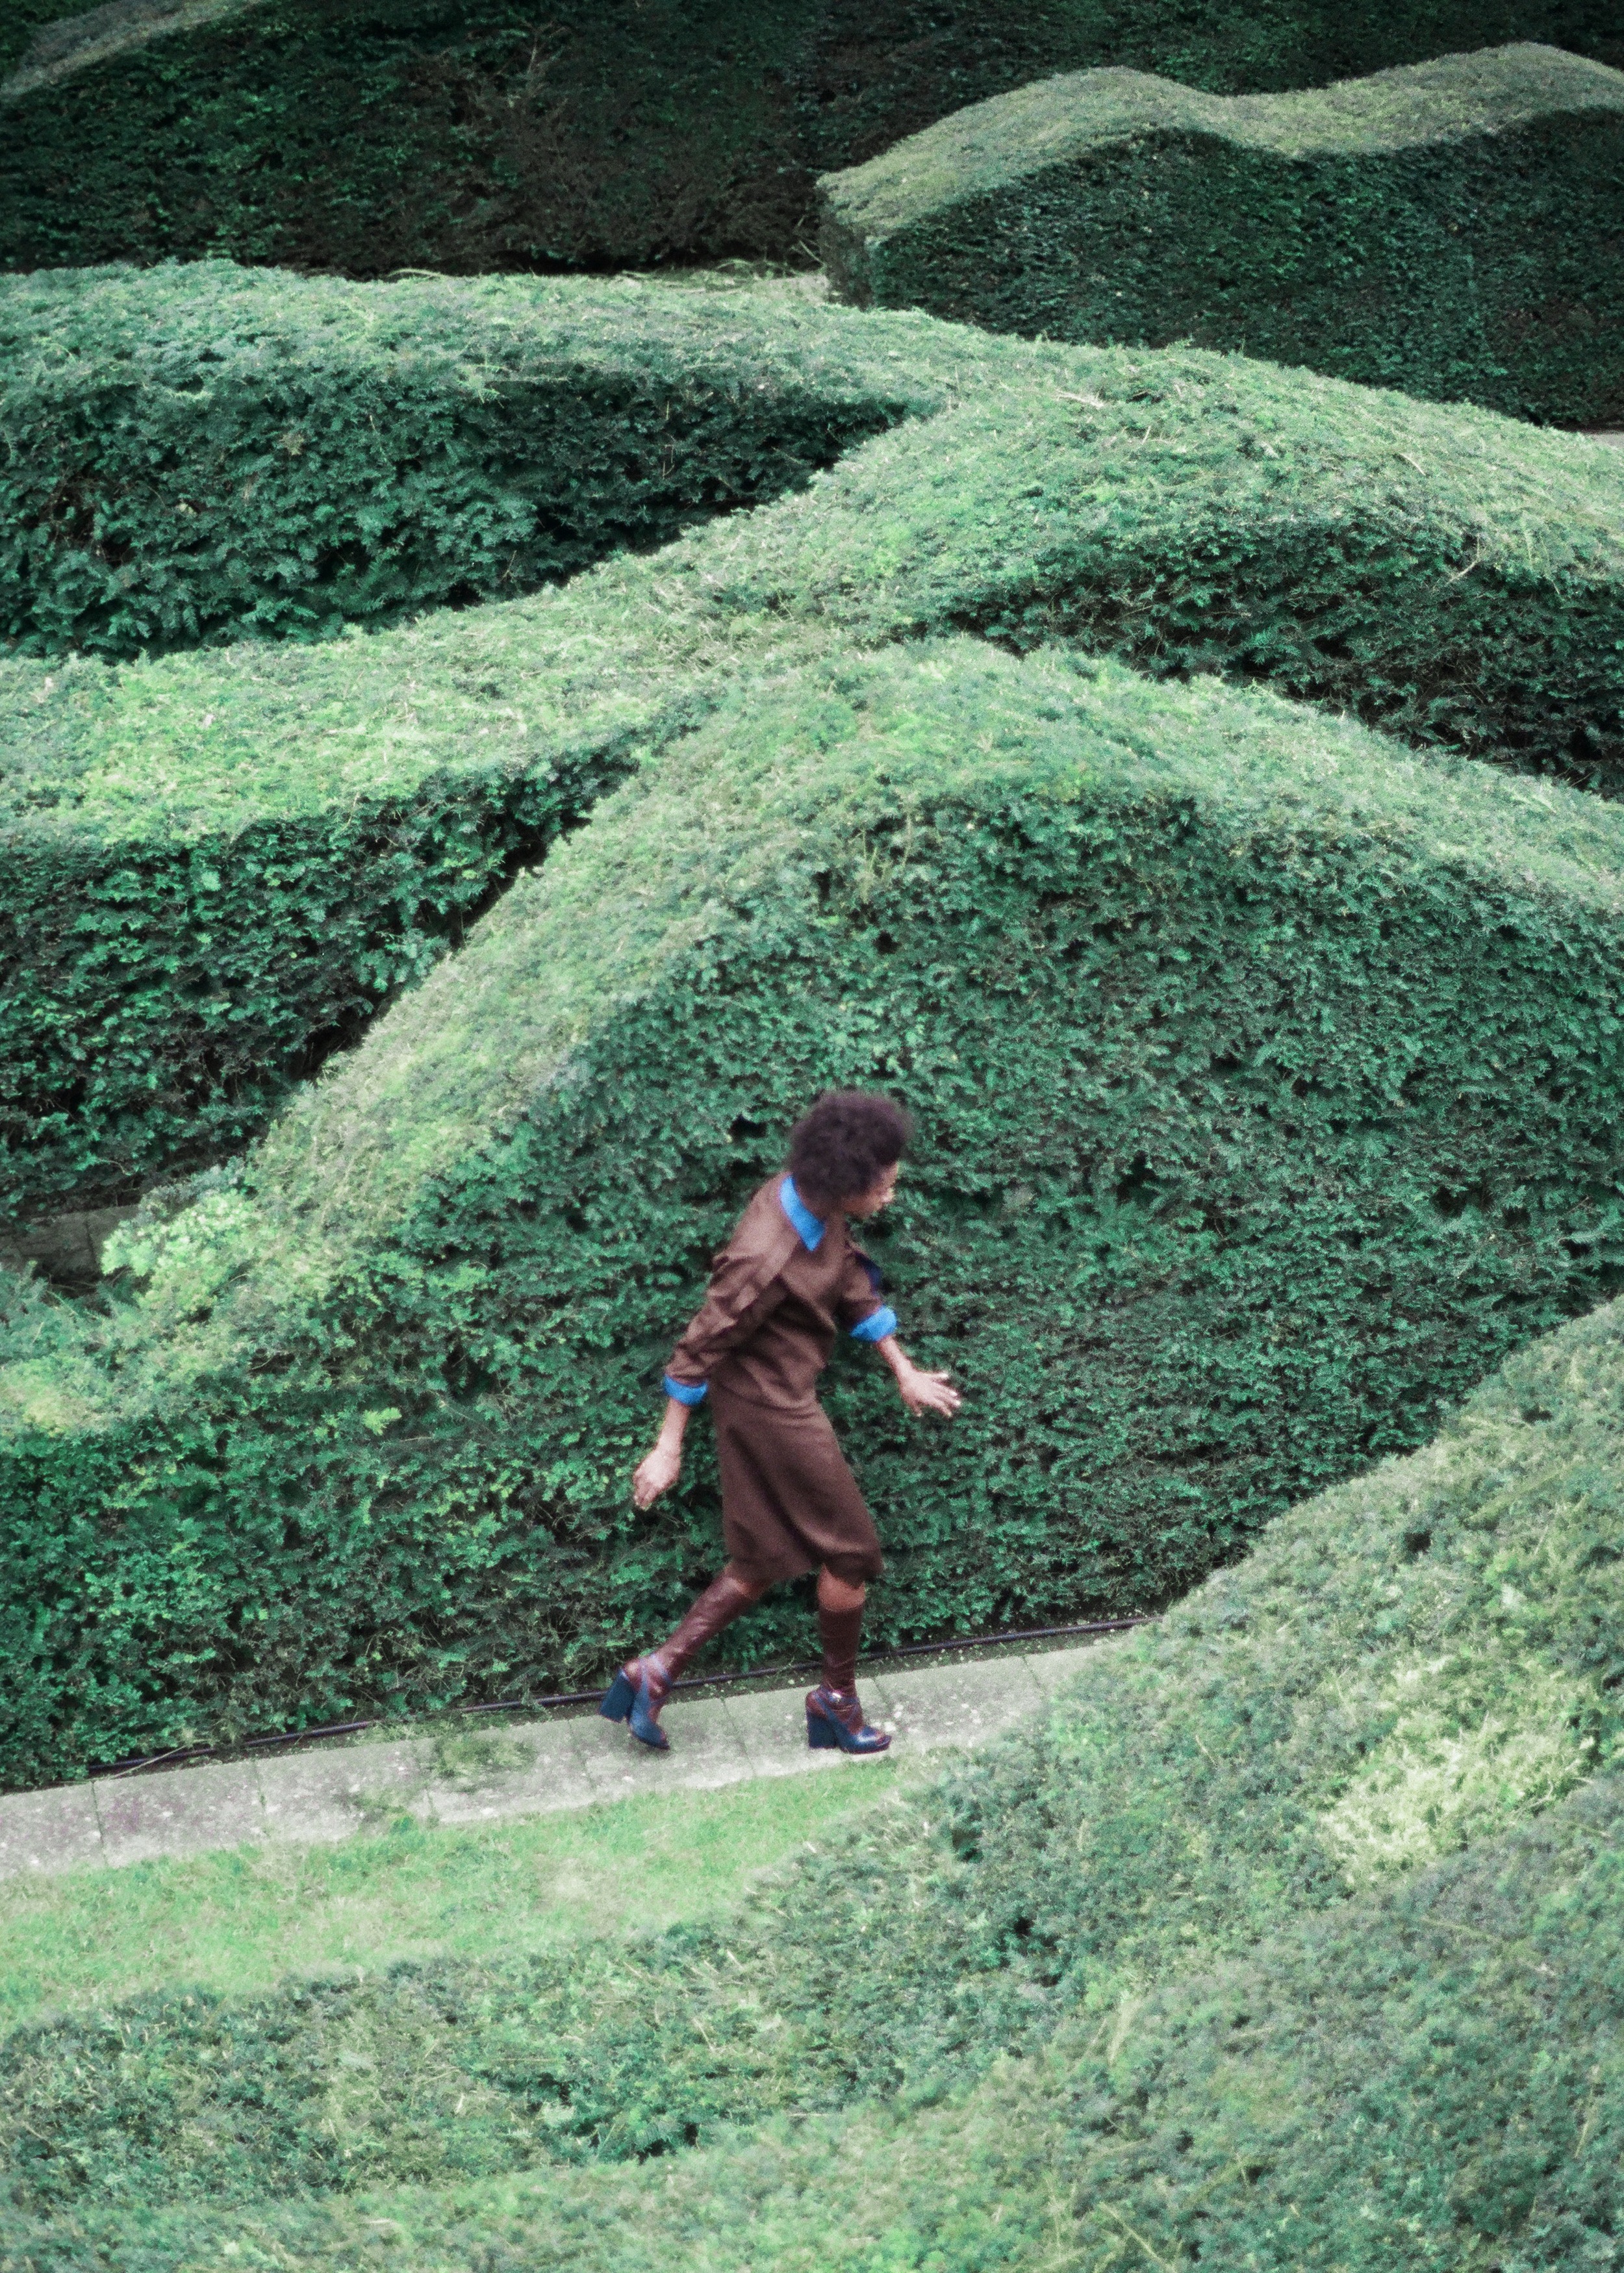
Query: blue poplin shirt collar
[{"x": 810, "y": 1226}]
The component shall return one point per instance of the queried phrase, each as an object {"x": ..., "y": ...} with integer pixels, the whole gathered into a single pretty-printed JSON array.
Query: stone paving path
[{"x": 326, "y": 1792}]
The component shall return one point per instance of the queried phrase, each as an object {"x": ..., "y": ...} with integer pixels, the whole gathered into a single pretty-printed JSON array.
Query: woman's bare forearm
[{"x": 894, "y": 1355}]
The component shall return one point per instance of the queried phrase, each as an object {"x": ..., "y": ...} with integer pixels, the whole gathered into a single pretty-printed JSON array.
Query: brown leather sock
[
  {"x": 839, "y": 1631},
  {"x": 722, "y": 1600}
]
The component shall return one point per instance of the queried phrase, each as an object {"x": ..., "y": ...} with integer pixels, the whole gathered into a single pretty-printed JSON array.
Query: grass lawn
[{"x": 238, "y": 1920}]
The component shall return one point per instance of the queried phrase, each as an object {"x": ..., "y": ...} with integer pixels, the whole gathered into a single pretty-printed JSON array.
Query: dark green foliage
[
  {"x": 1268, "y": 1089},
  {"x": 25, "y": 22},
  {"x": 197, "y": 453},
  {"x": 370, "y": 135},
  {"x": 1241, "y": 2020},
  {"x": 1452, "y": 229},
  {"x": 1441, "y": 572},
  {"x": 171, "y": 997}
]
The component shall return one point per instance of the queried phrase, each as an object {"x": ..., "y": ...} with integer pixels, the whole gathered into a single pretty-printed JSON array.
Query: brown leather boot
[
  {"x": 642, "y": 1685},
  {"x": 834, "y": 1716},
  {"x": 840, "y": 1631}
]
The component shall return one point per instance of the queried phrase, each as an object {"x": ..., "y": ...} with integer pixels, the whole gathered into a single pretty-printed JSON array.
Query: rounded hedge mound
[
  {"x": 219, "y": 865},
  {"x": 204, "y": 451},
  {"x": 462, "y": 135},
  {"x": 1297, "y": 1920},
  {"x": 1446, "y": 229},
  {"x": 203, "y": 897},
  {"x": 1268, "y": 1085}
]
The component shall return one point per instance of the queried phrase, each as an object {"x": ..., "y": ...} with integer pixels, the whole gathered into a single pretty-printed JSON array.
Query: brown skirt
[{"x": 790, "y": 1502}]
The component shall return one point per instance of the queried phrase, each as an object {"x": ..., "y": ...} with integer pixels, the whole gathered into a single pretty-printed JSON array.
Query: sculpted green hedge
[
  {"x": 1268, "y": 1083},
  {"x": 469, "y": 135},
  {"x": 1301, "y": 1915},
  {"x": 216, "y": 869},
  {"x": 1448, "y": 228},
  {"x": 217, "y": 864},
  {"x": 197, "y": 452}
]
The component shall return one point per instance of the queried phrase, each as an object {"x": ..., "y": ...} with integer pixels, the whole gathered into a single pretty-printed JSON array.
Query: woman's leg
[
  {"x": 643, "y": 1684},
  {"x": 839, "y": 1629},
  {"x": 833, "y": 1713},
  {"x": 726, "y": 1598}
]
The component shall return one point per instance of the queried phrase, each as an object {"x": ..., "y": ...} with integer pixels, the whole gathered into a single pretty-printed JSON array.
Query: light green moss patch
[{"x": 1438, "y": 1781}]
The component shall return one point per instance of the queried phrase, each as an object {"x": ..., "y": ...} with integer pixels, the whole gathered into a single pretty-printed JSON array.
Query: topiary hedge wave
[
  {"x": 1448, "y": 228},
  {"x": 217, "y": 864},
  {"x": 470, "y": 135},
  {"x": 197, "y": 452},
  {"x": 202, "y": 898},
  {"x": 1269, "y": 1083}
]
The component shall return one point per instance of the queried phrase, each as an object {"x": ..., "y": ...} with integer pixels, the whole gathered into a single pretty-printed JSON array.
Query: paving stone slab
[
  {"x": 1052, "y": 1669},
  {"x": 49, "y": 1830},
  {"x": 771, "y": 1727},
  {"x": 952, "y": 1705},
  {"x": 321, "y": 1796},
  {"x": 186, "y": 1812},
  {"x": 328, "y": 1794},
  {"x": 555, "y": 1777},
  {"x": 706, "y": 1752}
]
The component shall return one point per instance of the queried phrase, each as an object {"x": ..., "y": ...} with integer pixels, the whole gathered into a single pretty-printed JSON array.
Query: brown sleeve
[
  {"x": 744, "y": 1290},
  {"x": 859, "y": 1296}
]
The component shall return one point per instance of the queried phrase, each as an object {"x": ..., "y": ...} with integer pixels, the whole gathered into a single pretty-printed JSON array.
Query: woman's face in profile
[{"x": 878, "y": 1194}]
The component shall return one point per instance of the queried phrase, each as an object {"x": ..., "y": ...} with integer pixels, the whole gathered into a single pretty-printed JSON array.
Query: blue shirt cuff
[
  {"x": 875, "y": 1329},
  {"x": 685, "y": 1392}
]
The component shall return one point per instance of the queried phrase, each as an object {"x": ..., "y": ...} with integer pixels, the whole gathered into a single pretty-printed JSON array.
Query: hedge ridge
[
  {"x": 1222, "y": 2032},
  {"x": 203, "y": 452},
  {"x": 334, "y": 134},
  {"x": 1440, "y": 571},
  {"x": 212, "y": 875},
  {"x": 1446, "y": 229},
  {"x": 1311, "y": 1145}
]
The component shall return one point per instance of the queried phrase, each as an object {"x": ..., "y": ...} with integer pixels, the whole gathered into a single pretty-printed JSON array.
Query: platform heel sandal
[
  {"x": 635, "y": 1696},
  {"x": 834, "y": 1720}
]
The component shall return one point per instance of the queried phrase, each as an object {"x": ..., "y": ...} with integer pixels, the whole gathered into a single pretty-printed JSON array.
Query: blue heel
[
  {"x": 635, "y": 1697},
  {"x": 830, "y": 1723}
]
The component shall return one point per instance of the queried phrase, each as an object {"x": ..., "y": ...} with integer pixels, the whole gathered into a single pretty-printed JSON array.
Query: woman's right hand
[{"x": 657, "y": 1473}]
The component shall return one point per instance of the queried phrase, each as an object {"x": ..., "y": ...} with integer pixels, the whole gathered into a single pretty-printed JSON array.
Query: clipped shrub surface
[
  {"x": 1225, "y": 2034},
  {"x": 1451, "y": 229},
  {"x": 201, "y": 901},
  {"x": 468, "y": 135},
  {"x": 197, "y": 452},
  {"x": 1268, "y": 1082},
  {"x": 1442, "y": 572}
]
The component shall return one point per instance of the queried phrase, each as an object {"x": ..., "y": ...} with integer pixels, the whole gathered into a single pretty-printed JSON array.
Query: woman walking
[{"x": 788, "y": 1278}]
